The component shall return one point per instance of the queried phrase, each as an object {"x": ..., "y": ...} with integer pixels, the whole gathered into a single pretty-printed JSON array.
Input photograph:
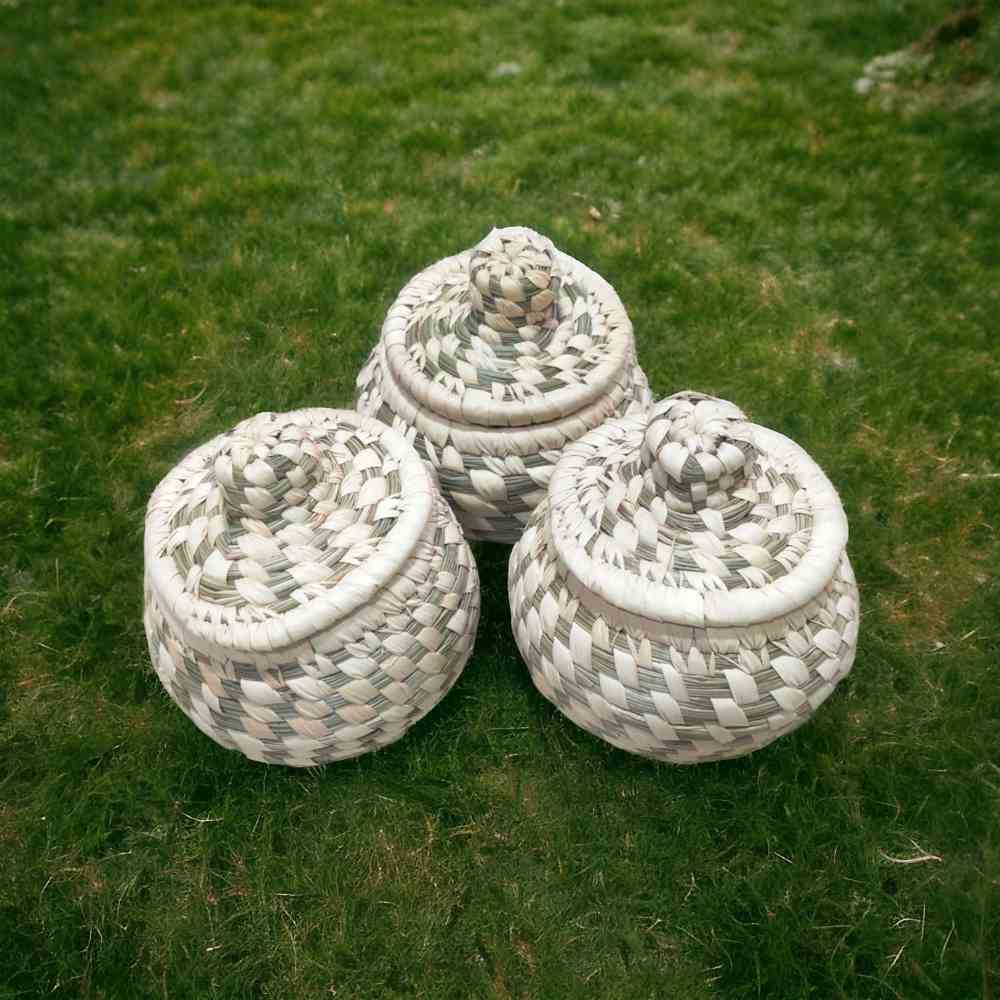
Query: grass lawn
[{"x": 206, "y": 208}]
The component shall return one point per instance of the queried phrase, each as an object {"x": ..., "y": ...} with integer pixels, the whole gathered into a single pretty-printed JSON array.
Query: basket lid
[
  {"x": 278, "y": 528},
  {"x": 691, "y": 515},
  {"x": 510, "y": 333}
]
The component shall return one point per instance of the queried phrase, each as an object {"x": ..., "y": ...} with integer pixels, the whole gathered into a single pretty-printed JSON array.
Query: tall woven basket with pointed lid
[
  {"x": 309, "y": 595},
  {"x": 684, "y": 591},
  {"x": 491, "y": 362}
]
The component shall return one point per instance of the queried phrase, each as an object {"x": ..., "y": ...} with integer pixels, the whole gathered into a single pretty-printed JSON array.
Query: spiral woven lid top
[
  {"x": 692, "y": 515},
  {"x": 282, "y": 526},
  {"x": 510, "y": 333}
]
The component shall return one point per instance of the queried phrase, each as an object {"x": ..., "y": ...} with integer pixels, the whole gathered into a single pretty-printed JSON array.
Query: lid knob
[
  {"x": 267, "y": 470},
  {"x": 514, "y": 285},
  {"x": 697, "y": 450}
]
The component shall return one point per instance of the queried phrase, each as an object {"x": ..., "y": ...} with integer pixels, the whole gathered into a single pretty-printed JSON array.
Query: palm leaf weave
[
  {"x": 309, "y": 595},
  {"x": 493, "y": 360},
  {"x": 684, "y": 592}
]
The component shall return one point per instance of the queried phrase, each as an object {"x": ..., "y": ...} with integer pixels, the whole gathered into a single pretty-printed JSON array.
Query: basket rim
[
  {"x": 488, "y": 412},
  {"x": 668, "y": 605},
  {"x": 501, "y": 442},
  {"x": 197, "y": 619}
]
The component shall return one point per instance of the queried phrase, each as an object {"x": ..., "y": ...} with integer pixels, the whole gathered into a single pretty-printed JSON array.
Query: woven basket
[
  {"x": 684, "y": 591},
  {"x": 491, "y": 361},
  {"x": 309, "y": 595}
]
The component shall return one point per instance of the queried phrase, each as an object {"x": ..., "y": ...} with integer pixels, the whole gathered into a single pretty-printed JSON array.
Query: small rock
[
  {"x": 507, "y": 69},
  {"x": 883, "y": 71}
]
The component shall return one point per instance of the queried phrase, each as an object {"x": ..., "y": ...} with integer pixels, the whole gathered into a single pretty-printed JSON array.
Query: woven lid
[
  {"x": 509, "y": 334},
  {"x": 282, "y": 526},
  {"x": 691, "y": 515}
]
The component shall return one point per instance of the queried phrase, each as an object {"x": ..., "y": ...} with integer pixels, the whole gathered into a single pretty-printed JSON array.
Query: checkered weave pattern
[
  {"x": 683, "y": 591},
  {"x": 491, "y": 362},
  {"x": 309, "y": 595}
]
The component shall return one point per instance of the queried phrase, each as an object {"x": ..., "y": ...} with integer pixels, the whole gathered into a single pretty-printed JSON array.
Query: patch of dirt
[
  {"x": 814, "y": 342},
  {"x": 769, "y": 289},
  {"x": 178, "y": 422},
  {"x": 398, "y": 860},
  {"x": 718, "y": 81},
  {"x": 159, "y": 98},
  {"x": 81, "y": 879},
  {"x": 142, "y": 154},
  {"x": 961, "y": 24},
  {"x": 9, "y": 834},
  {"x": 697, "y": 235},
  {"x": 729, "y": 43},
  {"x": 810, "y": 346},
  {"x": 526, "y": 950},
  {"x": 79, "y": 242},
  {"x": 513, "y": 785}
]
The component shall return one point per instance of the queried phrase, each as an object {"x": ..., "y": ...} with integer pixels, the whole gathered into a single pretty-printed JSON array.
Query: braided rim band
[
  {"x": 209, "y": 545},
  {"x": 672, "y": 518}
]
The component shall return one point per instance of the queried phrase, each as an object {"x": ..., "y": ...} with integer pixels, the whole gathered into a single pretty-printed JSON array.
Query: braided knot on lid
[
  {"x": 696, "y": 451},
  {"x": 514, "y": 284},
  {"x": 269, "y": 470}
]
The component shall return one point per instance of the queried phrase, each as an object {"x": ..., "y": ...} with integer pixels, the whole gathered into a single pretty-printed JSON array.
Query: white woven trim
[{"x": 472, "y": 439}]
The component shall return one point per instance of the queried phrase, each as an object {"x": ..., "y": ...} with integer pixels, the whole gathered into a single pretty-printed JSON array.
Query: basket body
[
  {"x": 677, "y": 621},
  {"x": 490, "y": 389},
  {"x": 308, "y": 594}
]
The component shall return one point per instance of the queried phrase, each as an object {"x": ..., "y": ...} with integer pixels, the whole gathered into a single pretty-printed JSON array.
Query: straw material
[
  {"x": 309, "y": 595},
  {"x": 491, "y": 361},
  {"x": 684, "y": 591}
]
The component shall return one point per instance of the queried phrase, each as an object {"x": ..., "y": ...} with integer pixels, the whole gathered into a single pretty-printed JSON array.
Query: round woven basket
[
  {"x": 491, "y": 361},
  {"x": 684, "y": 591},
  {"x": 309, "y": 595}
]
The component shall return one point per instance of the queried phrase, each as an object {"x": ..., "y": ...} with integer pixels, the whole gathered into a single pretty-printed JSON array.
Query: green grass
[{"x": 205, "y": 210}]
